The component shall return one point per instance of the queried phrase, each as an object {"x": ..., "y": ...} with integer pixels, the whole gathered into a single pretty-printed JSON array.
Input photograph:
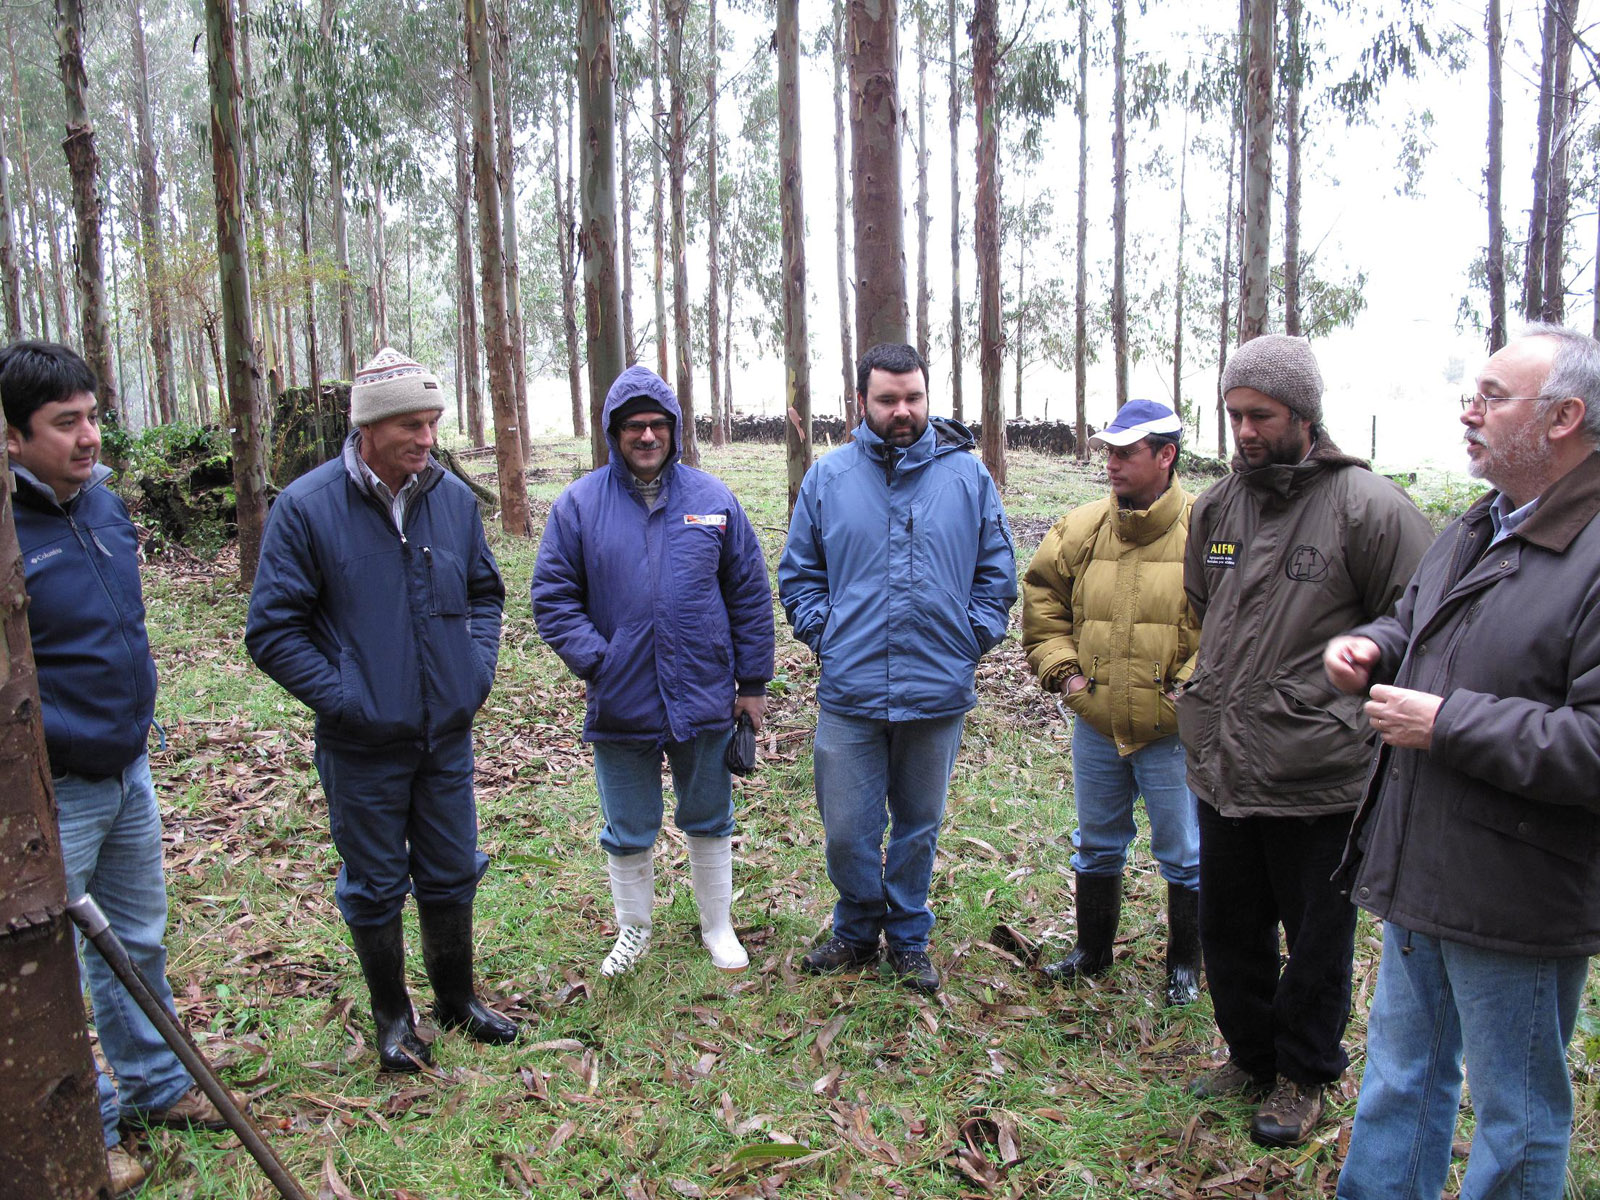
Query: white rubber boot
[
  {"x": 633, "y": 887},
  {"x": 711, "y": 870}
]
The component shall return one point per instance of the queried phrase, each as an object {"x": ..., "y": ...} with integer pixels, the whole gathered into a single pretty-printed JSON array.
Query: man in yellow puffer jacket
[{"x": 1105, "y": 622}]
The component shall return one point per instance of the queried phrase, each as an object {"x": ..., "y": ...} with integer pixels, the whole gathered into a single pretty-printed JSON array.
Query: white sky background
[{"x": 1394, "y": 364}]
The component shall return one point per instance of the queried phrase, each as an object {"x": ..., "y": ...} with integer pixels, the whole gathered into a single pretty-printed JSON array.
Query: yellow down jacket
[{"x": 1104, "y": 597}]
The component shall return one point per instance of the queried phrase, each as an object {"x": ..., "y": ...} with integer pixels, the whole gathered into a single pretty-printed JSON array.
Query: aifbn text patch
[
  {"x": 1222, "y": 553},
  {"x": 720, "y": 520}
]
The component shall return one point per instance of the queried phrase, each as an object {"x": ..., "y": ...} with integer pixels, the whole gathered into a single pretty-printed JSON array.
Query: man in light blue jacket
[{"x": 899, "y": 573}]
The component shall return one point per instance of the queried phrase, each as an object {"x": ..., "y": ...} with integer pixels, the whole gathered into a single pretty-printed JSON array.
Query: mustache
[{"x": 1475, "y": 436}]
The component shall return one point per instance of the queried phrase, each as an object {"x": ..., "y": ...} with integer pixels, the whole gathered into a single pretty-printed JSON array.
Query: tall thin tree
[
  {"x": 1119, "y": 196},
  {"x": 1293, "y": 78},
  {"x": 719, "y": 432},
  {"x": 83, "y": 163},
  {"x": 1080, "y": 303},
  {"x": 658, "y": 202},
  {"x": 985, "y": 71},
  {"x": 157, "y": 319},
  {"x": 796, "y": 346},
  {"x": 880, "y": 248},
  {"x": 677, "y": 167},
  {"x": 233, "y": 270},
  {"x": 1495, "y": 256},
  {"x": 602, "y": 298},
  {"x": 1260, "y": 39},
  {"x": 924, "y": 213},
  {"x": 840, "y": 228},
  {"x": 957, "y": 352}
]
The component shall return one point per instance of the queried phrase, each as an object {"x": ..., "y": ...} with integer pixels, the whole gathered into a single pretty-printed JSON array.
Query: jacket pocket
[
  {"x": 624, "y": 694},
  {"x": 1306, "y": 732},
  {"x": 1568, "y": 832},
  {"x": 447, "y": 582},
  {"x": 1197, "y": 698}
]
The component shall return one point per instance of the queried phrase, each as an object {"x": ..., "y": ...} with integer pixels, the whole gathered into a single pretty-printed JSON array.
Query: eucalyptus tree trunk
[
  {"x": 1257, "y": 167},
  {"x": 880, "y": 248},
  {"x": 1022, "y": 282},
  {"x": 303, "y": 184},
  {"x": 1539, "y": 211},
  {"x": 1080, "y": 306},
  {"x": 840, "y": 228},
  {"x": 84, "y": 165},
  {"x": 924, "y": 216},
  {"x": 630, "y": 345},
  {"x": 658, "y": 201},
  {"x": 491, "y": 261},
  {"x": 1494, "y": 175},
  {"x": 1294, "y": 72},
  {"x": 677, "y": 148},
  {"x": 985, "y": 68},
  {"x": 35, "y": 293},
  {"x": 602, "y": 299},
  {"x": 1119, "y": 197},
  {"x": 58, "y": 275},
  {"x": 1182, "y": 273},
  {"x": 470, "y": 393},
  {"x": 341, "y": 250},
  {"x": 10, "y": 274},
  {"x": 1223, "y": 321},
  {"x": 160, "y": 324},
  {"x": 796, "y": 345},
  {"x": 50, "y": 1137},
  {"x": 256, "y": 215},
  {"x": 957, "y": 354},
  {"x": 564, "y": 256},
  {"x": 380, "y": 269},
  {"x": 233, "y": 270},
  {"x": 719, "y": 432},
  {"x": 506, "y": 171},
  {"x": 1562, "y": 100}
]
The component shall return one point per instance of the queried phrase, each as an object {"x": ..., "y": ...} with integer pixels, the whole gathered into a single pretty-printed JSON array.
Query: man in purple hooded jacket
[{"x": 653, "y": 589}]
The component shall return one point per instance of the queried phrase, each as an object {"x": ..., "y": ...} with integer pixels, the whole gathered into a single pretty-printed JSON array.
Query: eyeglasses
[
  {"x": 660, "y": 428},
  {"x": 1474, "y": 402}
]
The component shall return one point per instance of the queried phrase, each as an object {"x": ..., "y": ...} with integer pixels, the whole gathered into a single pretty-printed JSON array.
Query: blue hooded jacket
[
  {"x": 97, "y": 681},
  {"x": 660, "y": 612},
  {"x": 388, "y": 638},
  {"x": 899, "y": 573}
]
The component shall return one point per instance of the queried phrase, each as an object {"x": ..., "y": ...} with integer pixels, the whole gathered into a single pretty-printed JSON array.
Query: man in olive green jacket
[
  {"x": 1298, "y": 544},
  {"x": 1105, "y": 622}
]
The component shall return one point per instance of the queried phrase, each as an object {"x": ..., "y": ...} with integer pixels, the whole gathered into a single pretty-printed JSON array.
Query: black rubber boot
[
  {"x": 447, "y": 952},
  {"x": 382, "y": 952},
  {"x": 1099, "y": 909},
  {"x": 1183, "y": 945}
]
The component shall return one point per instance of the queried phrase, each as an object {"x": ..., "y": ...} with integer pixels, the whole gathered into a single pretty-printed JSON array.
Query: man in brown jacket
[
  {"x": 1299, "y": 543},
  {"x": 1478, "y": 843}
]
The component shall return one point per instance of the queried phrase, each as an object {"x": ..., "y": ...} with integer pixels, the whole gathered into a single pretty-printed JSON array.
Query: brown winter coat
[
  {"x": 1281, "y": 559},
  {"x": 1492, "y": 836},
  {"x": 1104, "y": 597}
]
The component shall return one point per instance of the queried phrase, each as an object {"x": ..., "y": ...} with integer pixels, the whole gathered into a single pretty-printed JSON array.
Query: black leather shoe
[
  {"x": 914, "y": 969},
  {"x": 835, "y": 955}
]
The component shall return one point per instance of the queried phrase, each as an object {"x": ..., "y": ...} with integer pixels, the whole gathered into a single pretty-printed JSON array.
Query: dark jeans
[
  {"x": 1255, "y": 874},
  {"x": 403, "y": 820}
]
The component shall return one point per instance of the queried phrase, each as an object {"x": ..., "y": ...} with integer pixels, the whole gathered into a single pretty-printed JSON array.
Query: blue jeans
[
  {"x": 1105, "y": 785},
  {"x": 628, "y": 775},
  {"x": 867, "y": 773},
  {"x": 1511, "y": 1017},
  {"x": 403, "y": 820},
  {"x": 111, "y": 846}
]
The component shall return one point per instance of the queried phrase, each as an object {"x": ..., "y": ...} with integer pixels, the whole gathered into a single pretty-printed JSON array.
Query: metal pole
[{"x": 92, "y": 922}]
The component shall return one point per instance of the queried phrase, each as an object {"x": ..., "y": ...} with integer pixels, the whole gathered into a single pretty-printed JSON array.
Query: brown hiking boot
[
  {"x": 126, "y": 1171},
  {"x": 1229, "y": 1079},
  {"x": 1288, "y": 1115},
  {"x": 193, "y": 1110}
]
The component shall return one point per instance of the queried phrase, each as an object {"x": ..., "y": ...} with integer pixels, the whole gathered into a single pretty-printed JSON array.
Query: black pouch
[{"x": 740, "y": 756}]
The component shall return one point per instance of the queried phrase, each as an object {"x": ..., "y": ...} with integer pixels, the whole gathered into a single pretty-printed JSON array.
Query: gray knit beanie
[
  {"x": 1281, "y": 367},
  {"x": 389, "y": 385}
]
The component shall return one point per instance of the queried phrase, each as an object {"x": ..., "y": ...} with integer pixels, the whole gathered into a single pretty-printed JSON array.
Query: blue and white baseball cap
[{"x": 1135, "y": 420}]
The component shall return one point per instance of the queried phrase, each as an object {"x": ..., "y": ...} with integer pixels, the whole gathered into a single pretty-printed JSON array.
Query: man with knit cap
[
  {"x": 652, "y": 587},
  {"x": 1105, "y": 623},
  {"x": 377, "y": 605},
  {"x": 1299, "y": 543}
]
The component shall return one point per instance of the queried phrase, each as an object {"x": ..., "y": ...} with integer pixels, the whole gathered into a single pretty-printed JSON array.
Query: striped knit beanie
[
  {"x": 389, "y": 385},
  {"x": 1279, "y": 366}
]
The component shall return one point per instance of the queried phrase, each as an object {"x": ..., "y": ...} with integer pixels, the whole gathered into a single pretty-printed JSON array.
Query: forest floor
[{"x": 678, "y": 1080}]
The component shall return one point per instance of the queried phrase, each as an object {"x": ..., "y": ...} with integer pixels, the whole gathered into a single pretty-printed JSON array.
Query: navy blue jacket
[
  {"x": 659, "y": 612},
  {"x": 387, "y": 638},
  {"x": 899, "y": 573},
  {"x": 97, "y": 680}
]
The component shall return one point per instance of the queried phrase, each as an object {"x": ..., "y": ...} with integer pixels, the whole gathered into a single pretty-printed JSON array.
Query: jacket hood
[
  {"x": 30, "y": 490},
  {"x": 1284, "y": 478},
  {"x": 641, "y": 381}
]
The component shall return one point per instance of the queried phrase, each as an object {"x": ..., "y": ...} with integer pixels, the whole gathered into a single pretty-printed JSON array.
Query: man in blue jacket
[
  {"x": 652, "y": 588},
  {"x": 899, "y": 573},
  {"x": 97, "y": 686},
  {"x": 377, "y": 605}
]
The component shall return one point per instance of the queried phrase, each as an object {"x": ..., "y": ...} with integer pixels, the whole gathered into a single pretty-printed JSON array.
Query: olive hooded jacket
[
  {"x": 1282, "y": 558},
  {"x": 1104, "y": 597}
]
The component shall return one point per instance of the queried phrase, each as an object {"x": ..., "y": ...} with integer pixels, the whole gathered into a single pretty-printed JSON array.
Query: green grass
[{"x": 679, "y": 1080}]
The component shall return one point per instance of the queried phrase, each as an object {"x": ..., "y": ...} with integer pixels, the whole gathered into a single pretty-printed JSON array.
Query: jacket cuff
[{"x": 752, "y": 687}]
